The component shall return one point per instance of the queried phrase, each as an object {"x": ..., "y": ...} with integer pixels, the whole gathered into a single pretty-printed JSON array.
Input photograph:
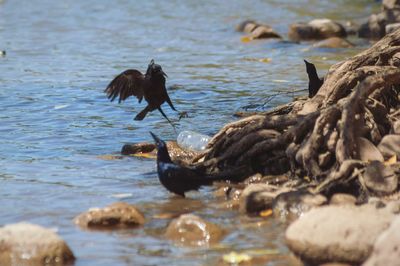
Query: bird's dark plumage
[
  {"x": 314, "y": 82},
  {"x": 150, "y": 86},
  {"x": 179, "y": 179}
]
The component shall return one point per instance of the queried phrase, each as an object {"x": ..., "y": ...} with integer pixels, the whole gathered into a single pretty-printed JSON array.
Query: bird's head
[
  {"x": 162, "y": 150},
  {"x": 155, "y": 69}
]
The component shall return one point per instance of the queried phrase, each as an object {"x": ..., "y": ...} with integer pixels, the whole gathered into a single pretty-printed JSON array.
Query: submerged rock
[
  {"x": 338, "y": 233},
  {"x": 316, "y": 29},
  {"x": 191, "y": 230},
  {"x": 30, "y": 244},
  {"x": 333, "y": 42},
  {"x": 386, "y": 249},
  {"x": 115, "y": 216}
]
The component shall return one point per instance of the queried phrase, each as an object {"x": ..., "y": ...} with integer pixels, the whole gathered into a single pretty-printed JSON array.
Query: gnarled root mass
[{"x": 322, "y": 140}]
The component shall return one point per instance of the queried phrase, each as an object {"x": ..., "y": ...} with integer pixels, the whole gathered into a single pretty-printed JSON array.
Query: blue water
[{"x": 56, "y": 123}]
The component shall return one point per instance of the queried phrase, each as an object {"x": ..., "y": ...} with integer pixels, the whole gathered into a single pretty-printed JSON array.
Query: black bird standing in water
[
  {"x": 179, "y": 179},
  {"x": 150, "y": 86},
  {"x": 314, "y": 82}
]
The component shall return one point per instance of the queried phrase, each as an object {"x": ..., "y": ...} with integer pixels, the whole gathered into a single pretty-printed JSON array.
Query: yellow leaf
[
  {"x": 266, "y": 213},
  {"x": 307, "y": 178},
  {"x": 236, "y": 258},
  {"x": 265, "y": 60},
  {"x": 392, "y": 160},
  {"x": 246, "y": 39}
]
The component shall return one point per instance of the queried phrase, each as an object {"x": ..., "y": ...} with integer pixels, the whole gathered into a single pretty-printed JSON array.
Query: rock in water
[
  {"x": 30, "y": 244},
  {"x": 338, "y": 233},
  {"x": 115, "y": 216},
  {"x": 191, "y": 230},
  {"x": 316, "y": 29}
]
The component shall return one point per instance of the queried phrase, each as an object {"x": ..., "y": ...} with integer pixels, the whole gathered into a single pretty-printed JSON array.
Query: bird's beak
[
  {"x": 162, "y": 72},
  {"x": 156, "y": 139}
]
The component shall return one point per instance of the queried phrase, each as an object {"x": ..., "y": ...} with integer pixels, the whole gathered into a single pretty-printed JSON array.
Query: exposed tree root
[{"x": 318, "y": 139}]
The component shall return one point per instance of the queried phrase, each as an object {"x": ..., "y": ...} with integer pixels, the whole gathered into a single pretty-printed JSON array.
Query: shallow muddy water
[{"x": 56, "y": 124}]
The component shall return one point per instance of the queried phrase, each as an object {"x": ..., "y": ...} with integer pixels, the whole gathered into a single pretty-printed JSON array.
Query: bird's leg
[
  {"x": 143, "y": 113},
  {"x": 181, "y": 114},
  {"x": 170, "y": 103},
  {"x": 164, "y": 115}
]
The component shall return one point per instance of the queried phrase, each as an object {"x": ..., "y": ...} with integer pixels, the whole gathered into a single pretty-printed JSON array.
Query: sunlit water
[{"x": 56, "y": 121}]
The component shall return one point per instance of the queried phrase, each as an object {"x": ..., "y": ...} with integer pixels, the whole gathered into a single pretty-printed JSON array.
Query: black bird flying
[
  {"x": 314, "y": 82},
  {"x": 150, "y": 86},
  {"x": 176, "y": 178}
]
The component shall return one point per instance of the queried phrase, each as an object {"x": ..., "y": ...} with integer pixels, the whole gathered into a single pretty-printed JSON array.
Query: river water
[{"x": 57, "y": 125}]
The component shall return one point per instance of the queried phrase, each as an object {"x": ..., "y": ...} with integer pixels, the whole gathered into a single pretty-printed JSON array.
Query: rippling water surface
[{"x": 56, "y": 123}]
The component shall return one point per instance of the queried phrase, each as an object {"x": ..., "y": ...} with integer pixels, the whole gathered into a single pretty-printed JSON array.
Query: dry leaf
[
  {"x": 266, "y": 213},
  {"x": 392, "y": 160}
]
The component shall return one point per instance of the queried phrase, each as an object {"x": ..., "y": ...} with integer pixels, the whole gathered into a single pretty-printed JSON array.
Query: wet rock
[
  {"x": 390, "y": 4},
  {"x": 343, "y": 234},
  {"x": 243, "y": 24},
  {"x": 134, "y": 148},
  {"x": 297, "y": 202},
  {"x": 380, "y": 179},
  {"x": 178, "y": 155},
  {"x": 375, "y": 27},
  {"x": 386, "y": 249},
  {"x": 30, "y": 244},
  {"x": 389, "y": 28},
  {"x": 115, "y": 216},
  {"x": 342, "y": 199},
  {"x": 390, "y": 145},
  {"x": 316, "y": 29},
  {"x": 367, "y": 151},
  {"x": 257, "y": 197},
  {"x": 333, "y": 42},
  {"x": 2, "y": 53},
  {"x": 264, "y": 32},
  {"x": 191, "y": 230},
  {"x": 250, "y": 27},
  {"x": 257, "y": 30}
]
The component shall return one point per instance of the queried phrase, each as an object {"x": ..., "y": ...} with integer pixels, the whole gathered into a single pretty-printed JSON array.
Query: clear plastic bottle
[{"x": 191, "y": 140}]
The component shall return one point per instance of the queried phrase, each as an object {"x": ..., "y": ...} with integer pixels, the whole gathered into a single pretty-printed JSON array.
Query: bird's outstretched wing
[{"x": 128, "y": 83}]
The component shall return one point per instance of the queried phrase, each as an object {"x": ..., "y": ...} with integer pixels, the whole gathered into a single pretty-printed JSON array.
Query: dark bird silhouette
[
  {"x": 314, "y": 82},
  {"x": 178, "y": 179},
  {"x": 150, "y": 86}
]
